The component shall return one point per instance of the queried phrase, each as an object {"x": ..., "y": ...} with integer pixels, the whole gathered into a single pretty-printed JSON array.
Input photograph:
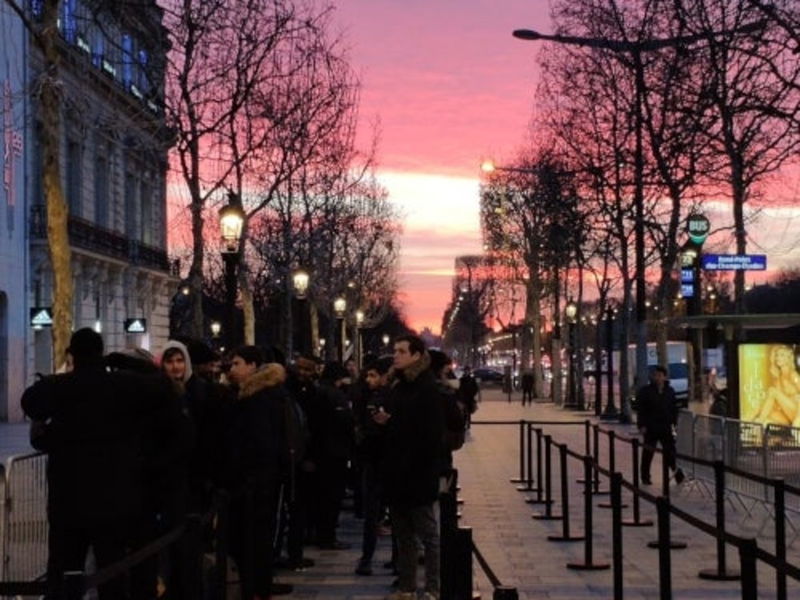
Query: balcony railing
[{"x": 88, "y": 236}]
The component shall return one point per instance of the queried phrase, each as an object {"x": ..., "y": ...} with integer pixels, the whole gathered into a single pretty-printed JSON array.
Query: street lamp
[
  {"x": 339, "y": 307},
  {"x": 610, "y": 412},
  {"x": 634, "y": 50},
  {"x": 216, "y": 328},
  {"x": 571, "y": 314},
  {"x": 300, "y": 283},
  {"x": 386, "y": 339},
  {"x": 231, "y": 222},
  {"x": 359, "y": 324}
]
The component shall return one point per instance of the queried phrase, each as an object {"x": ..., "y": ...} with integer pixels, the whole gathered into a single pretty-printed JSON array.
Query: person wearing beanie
[{"x": 100, "y": 421}]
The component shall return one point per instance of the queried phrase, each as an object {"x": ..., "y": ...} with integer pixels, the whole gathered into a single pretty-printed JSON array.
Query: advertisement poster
[{"x": 769, "y": 384}]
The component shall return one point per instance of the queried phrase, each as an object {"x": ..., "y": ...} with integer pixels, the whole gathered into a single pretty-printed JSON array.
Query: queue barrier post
[
  {"x": 221, "y": 547},
  {"x": 779, "y": 487},
  {"x": 616, "y": 532},
  {"x": 747, "y": 563},
  {"x": 664, "y": 550},
  {"x": 637, "y": 518},
  {"x": 528, "y": 487},
  {"x": 721, "y": 573},
  {"x": 521, "y": 478},
  {"x": 462, "y": 564},
  {"x": 548, "y": 483},
  {"x": 505, "y": 593},
  {"x": 565, "y": 529},
  {"x": 538, "y": 499},
  {"x": 588, "y": 563},
  {"x": 596, "y": 436},
  {"x": 612, "y": 465}
]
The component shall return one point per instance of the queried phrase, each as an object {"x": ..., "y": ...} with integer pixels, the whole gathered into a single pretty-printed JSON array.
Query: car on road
[{"x": 487, "y": 374}]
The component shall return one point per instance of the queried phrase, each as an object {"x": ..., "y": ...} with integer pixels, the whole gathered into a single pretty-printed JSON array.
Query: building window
[
  {"x": 127, "y": 61},
  {"x": 69, "y": 20},
  {"x": 147, "y": 213},
  {"x": 131, "y": 212},
  {"x": 74, "y": 171},
  {"x": 101, "y": 187}
]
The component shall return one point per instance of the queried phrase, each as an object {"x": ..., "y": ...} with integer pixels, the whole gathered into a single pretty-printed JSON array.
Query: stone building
[{"x": 114, "y": 163}]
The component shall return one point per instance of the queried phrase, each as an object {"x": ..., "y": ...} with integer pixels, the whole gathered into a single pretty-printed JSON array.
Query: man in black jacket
[
  {"x": 657, "y": 413},
  {"x": 98, "y": 424},
  {"x": 413, "y": 464}
]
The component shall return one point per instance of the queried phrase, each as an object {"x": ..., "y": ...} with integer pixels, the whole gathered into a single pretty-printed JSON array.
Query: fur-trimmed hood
[
  {"x": 267, "y": 376},
  {"x": 413, "y": 371}
]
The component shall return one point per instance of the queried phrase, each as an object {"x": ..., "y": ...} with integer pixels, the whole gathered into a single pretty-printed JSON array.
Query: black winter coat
[
  {"x": 258, "y": 447},
  {"x": 98, "y": 428},
  {"x": 657, "y": 411},
  {"x": 331, "y": 424},
  {"x": 414, "y": 438}
]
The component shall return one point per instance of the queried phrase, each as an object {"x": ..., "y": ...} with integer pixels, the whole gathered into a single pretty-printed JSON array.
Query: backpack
[{"x": 454, "y": 419}]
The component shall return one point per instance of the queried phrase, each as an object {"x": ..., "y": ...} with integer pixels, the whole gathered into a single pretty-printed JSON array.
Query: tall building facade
[
  {"x": 113, "y": 159},
  {"x": 14, "y": 110}
]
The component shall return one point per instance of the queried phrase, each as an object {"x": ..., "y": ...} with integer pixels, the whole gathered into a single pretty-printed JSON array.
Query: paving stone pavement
[{"x": 516, "y": 546}]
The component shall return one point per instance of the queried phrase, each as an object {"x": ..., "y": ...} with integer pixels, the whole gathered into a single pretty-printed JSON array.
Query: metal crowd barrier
[
  {"x": 771, "y": 451},
  {"x": 23, "y": 518}
]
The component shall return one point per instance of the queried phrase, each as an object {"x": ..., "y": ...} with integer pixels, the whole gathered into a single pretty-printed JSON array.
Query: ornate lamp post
[
  {"x": 359, "y": 349},
  {"x": 339, "y": 308},
  {"x": 571, "y": 315},
  {"x": 610, "y": 412},
  {"x": 231, "y": 222},
  {"x": 300, "y": 284}
]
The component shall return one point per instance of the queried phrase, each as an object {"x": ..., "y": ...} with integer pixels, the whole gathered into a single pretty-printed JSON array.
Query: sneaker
[
  {"x": 402, "y": 596},
  {"x": 679, "y": 476},
  {"x": 364, "y": 568}
]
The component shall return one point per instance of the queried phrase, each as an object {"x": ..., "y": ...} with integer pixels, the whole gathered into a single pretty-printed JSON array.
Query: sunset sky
[{"x": 448, "y": 86}]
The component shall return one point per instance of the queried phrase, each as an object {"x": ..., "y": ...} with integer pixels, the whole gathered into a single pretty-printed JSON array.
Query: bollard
[
  {"x": 664, "y": 475},
  {"x": 448, "y": 525},
  {"x": 539, "y": 476},
  {"x": 505, "y": 593},
  {"x": 721, "y": 573},
  {"x": 637, "y": 520},
  {"x": 780, "y": 535},
  {"x": 616, "y": 532},
  {"x": 747, "y": 563},
  {"x": 528, "y": 487},
  {"x": 674, "y": 545},
  {"x": 588, "y": 563},
  {"x": 548, "y": 483},
  {"x": 597, "y": 490},
  {"x": 221, "y": 547},
  {"x": 612, "y": 464},
  {"x": 664, "y": 548},
  {"x": 462, "y": 564},
  {"x": 565, "y": 533},
  {"x": 521, "y": 478}
]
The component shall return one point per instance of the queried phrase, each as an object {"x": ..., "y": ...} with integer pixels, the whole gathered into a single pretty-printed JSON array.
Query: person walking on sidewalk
[
  {"x": 413, "y": 465},
  {"x": 468, "y": 390},
  {"x": 657, "y": 414},
  {"x": 527, "y": 388}
]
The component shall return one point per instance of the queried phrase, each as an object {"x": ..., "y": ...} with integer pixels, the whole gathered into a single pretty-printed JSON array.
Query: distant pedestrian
[
  {"x": 413, "y": 465},
  {"x": 657, "y": 414},
  {"x": 468, "y": 390},
  {"x": 527, "y": 387}
]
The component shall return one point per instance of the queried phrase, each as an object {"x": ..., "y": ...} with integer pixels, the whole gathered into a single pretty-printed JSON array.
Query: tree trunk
[
  {"x": 248, "y": 308},
  {"x": 57, "y": 215}
]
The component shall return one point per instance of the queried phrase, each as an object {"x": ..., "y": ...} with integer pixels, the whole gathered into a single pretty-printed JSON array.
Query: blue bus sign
[
  {"x": 687, "y": 290},
  {"x": 734, "y": 262}
]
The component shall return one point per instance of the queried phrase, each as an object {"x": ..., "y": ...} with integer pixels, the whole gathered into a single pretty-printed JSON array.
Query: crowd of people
[{"x": 136, "y": 443}]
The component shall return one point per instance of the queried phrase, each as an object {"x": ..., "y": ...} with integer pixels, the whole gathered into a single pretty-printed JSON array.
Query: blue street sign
[
  {"x": 687, "y": 275},
  {"x": 734, "y": 262},
  {"x": 687, "y": 290}
]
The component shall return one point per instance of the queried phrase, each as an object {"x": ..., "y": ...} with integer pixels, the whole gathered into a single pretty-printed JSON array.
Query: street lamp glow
[
  {"x": 321, "y": 342},
  {"x": 488, "y": 166},
  {"x": 216, "y": 328},
  {"x": 359, "y": 317},
  {"x": 300, "y": 280},
  {"x": 339, "y": 306},
  {"x": 186, "y": 290},
  {"x": 231, "y": 221},
  {"x": 571, "y": 311},
  {"x": 385, "y": 339}
]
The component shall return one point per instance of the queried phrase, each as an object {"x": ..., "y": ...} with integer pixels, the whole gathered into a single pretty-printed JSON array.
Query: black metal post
[
  {"x": 462, "y": 577},
  {"x": 587, "y": 433},
  {"x": 610, "y": 411},
  {"x": 664, "y": 549},
  {"x": 505, "y": 593},
  {"x": 548, "y": 483},
  {"x": 779, "y": 488},
  {"x": 597, "y": 490},
  {"x": 588, "y": 563},
  {"x": 747, "y": 563},
  {"x": 637, "y": 520},
  {"x": 248, "y": 560},
  {"x": 521, "y": 478},
  {"x": 528, "y": 487},
  {"x": 721, "y": 573},
  {"x": 616, "y": 532},
  {"x": 673, "y": 544},
  {"x": 612, "y": 464},
  {"x": 231, "y": 260},
  {"x": 192, "y": 542},
  {"x": 448, "y": 524},
  {"x": 539, "y": 473},
  {"x": 221, "y": 547},
  {"x": 565, "y": 533}
]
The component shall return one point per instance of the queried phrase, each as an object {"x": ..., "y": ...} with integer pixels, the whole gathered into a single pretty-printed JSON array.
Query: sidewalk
[{"x": 516, "y": 546}]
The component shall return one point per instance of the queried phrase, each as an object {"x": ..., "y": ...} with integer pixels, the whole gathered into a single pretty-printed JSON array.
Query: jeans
[
  {"x": 667, "y": 445},
  {"x": 371, "y": 490},
  {"x": 410, "y": 524}
]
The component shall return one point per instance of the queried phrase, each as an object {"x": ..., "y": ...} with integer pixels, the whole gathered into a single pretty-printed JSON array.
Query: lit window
[
  {"x": 127, "y": 60},
  {"x": 69, "y": 20}
]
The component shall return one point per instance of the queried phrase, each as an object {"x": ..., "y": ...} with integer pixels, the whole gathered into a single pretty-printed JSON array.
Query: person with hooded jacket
[
  {"x": 258, "y": 459},
  {"x": 413, "y": 464},
  {"x": 97, "y": 426}
]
